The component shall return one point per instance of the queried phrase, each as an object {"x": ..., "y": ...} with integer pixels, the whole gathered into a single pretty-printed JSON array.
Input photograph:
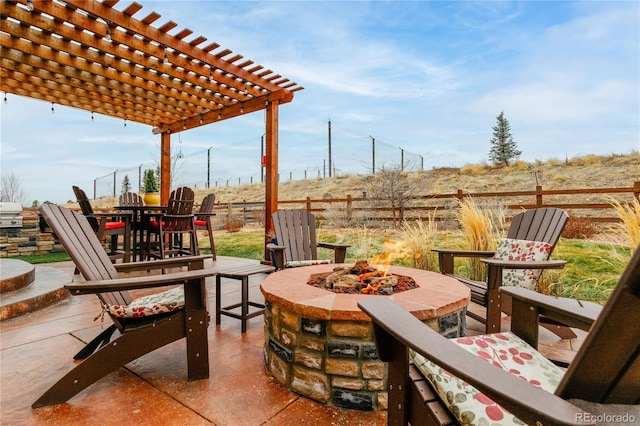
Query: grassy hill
[{"x": 585, "y": 172}]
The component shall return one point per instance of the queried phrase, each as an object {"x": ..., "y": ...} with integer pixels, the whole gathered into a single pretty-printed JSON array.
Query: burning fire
[{"x": 382, "y": 262}]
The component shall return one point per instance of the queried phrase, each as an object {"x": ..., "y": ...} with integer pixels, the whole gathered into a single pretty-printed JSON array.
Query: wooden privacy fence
[{"x": 591, "y": 203}]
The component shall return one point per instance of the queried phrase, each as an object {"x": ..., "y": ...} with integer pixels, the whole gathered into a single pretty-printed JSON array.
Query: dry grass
[
  {"x": 481, "y": 228},
  {"x": 420, "y": 236},
  {"x": 630, "y": 225}
]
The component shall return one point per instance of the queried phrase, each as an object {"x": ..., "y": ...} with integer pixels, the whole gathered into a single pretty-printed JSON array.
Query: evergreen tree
[
  {"x": 126, "y": 184},
  {"x": 503, "y": 147}
]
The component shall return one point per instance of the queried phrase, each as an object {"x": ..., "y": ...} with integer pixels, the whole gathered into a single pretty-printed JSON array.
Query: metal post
[
  {"x": 401, "y": 158},
  {"x": 373, "y": 154},
  {"x": 209, "y": 167},
  {"x": 114, "y": 183},
  {"x": 329, "y": 148}
]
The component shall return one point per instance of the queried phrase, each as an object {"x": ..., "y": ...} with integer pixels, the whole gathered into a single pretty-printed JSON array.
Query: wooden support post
[
  {"x": 165, "y": 167},
  {"x": 271, "y": 169}
]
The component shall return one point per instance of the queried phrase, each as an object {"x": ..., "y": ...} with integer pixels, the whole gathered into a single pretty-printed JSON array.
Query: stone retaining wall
[{"x": 27, "y": 240}]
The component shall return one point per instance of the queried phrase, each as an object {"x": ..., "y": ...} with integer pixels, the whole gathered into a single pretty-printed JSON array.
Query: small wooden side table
[{"x": 240, "y": 273}]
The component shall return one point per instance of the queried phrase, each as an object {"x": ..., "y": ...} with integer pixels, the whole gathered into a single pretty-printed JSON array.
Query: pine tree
[
  {"x": 126, "y": 184},
  {"x": 503, "y": 147}
]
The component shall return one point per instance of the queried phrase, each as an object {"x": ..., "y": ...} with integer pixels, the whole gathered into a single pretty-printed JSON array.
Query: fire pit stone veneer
[{"x": 321, "y": 345}]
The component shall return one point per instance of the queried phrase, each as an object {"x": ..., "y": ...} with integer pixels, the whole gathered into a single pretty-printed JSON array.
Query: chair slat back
[
  {"x": 80, "y": 242},
  {"x": 180, "y": 204},
  {"x": 543, "y": 224},
  {"x": 85, "y": 207},
  {"x": 606, "y": 369},
  {"x": 130, "y": 199},
  {"x": 206, "y": 206},
  {"x": 296, "y": 229}
]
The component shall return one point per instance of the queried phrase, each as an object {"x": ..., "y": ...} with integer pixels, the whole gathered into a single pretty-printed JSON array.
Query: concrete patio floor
[{"x": 36, "y": 349}]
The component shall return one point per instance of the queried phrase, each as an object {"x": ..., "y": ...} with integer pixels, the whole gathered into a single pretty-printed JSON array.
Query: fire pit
[
  {"x": 319, "y": 344},
  {"x": 362, "y": 278}
]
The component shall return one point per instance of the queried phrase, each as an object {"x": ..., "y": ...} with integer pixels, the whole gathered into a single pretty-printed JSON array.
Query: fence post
[
  {"x": 636, "y": 190},
  {"x": 538, "y": 196},
  {"x": 349, "y": 207},
  {"x": 308, "y": 204}
]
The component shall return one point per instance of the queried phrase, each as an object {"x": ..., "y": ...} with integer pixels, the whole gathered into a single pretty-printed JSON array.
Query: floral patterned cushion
[
  {"x": 296, "y": 263},
  {"x": 524, "y": 250},
  {"x": 504, "y": 350},
  {"x": 153, "y": 304}
]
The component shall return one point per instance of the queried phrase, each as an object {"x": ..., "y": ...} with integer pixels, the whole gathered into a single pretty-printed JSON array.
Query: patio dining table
[{"x": 140, "y": 219}]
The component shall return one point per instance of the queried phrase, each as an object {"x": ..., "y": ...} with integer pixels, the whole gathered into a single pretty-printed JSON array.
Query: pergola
[{"x": 88, "y": 55}]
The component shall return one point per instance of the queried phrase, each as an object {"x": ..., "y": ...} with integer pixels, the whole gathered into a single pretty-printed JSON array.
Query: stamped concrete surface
[{"x": 37, "y": 348}]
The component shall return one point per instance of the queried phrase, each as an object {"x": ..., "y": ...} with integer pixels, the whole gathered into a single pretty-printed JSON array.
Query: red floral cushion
[
  {"x": 522, "y": 250},
  {"x": 200, "y": 222},
  {"x": 504, "y": 350},
  {"x": 159, "y": 303}
]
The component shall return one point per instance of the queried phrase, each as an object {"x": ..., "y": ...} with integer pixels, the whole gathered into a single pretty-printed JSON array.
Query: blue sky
[{"x": 426, "y": 79}]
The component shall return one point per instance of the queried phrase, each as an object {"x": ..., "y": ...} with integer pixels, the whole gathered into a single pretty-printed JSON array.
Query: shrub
[
  {"x": 579, "y": 228},
  {"x": 233, "y": 225}
]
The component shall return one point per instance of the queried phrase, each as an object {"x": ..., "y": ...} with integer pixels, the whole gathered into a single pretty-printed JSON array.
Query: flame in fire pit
[{"x": 382, "y": 262}]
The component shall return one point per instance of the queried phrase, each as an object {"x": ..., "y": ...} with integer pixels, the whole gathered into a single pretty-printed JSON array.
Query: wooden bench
[{"x": 240, "y": 273}]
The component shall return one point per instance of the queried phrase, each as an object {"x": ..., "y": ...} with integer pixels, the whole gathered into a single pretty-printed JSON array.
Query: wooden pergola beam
[{"x": 87, "y": 54}]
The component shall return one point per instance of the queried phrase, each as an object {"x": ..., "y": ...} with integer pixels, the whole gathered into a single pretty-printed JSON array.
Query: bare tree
[
  {"x": 12, "y": 189},
  {"x": 390, "y": 187}
]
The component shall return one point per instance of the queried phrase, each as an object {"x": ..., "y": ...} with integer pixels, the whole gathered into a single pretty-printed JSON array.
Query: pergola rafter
[{"x": 89, "y": 55}]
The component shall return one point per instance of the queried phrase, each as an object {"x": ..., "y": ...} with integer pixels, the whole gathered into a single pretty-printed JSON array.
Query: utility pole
[
  {"x": 401, "y": 159},
  {"x": 329, "y": 148}
]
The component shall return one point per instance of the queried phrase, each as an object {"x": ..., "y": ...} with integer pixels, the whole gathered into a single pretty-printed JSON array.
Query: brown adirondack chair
[
  {"x": 203, "y": 220},
  {"x": 170, "y": 227},
  {"x": 603, "y": 379},
  {"x": 543, "y": 225},
  {"x": 128, "y": 338},
  {"x": 110, "y": 225},
  {"x": 296, "y": 245}
]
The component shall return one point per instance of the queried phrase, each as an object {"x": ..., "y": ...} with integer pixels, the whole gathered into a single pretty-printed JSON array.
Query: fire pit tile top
[{"x": 435, "y": 296}]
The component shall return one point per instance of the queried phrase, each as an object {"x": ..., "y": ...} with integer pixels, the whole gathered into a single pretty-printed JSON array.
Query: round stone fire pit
[{"x": 321, "y": 345}]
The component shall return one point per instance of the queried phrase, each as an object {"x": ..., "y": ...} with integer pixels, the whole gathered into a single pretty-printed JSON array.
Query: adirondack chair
[
  {"x": 603, "y": 379},
  {"x": 170, "y": 227},
  {"x": 543, "y": 226},
  {"x": 165, "y": 318},
  {"x": 296, "y": 245},
  {"x": 104, "y": 225},
  {"x": 203, "y": 220}
]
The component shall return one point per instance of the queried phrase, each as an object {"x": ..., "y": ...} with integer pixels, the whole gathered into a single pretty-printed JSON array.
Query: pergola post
[
  {"x": 165, "y": 167},
  {"x": 271, "y": 168}
]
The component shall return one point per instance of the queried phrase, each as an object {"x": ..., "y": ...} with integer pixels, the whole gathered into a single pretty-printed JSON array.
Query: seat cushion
[
  {"x": 522, "y": 250},
  {"x": 159, "y": 303},
  {"x": 504, "y": 350},
  {"x": 113, "y": 225},
  {"x": 297, "y": 263},
  {"x": 200, "y": 222}
]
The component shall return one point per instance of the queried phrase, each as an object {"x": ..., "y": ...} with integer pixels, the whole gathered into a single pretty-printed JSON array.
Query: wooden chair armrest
[
  {"x": 574, "y": 313},
  {"x": 278, "y": 255},
  {"x": 446, "y": 257},
  {"x": 133, "y": 283},
  {"x": 465, "y": 253},
  {"x": 205, "y": 214},
  {"x": 193, "y": 262},
  {"x": 394, "y": 325},
  {"x": 519, "y": 264},
  {"x": 340, "y": 250}
]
